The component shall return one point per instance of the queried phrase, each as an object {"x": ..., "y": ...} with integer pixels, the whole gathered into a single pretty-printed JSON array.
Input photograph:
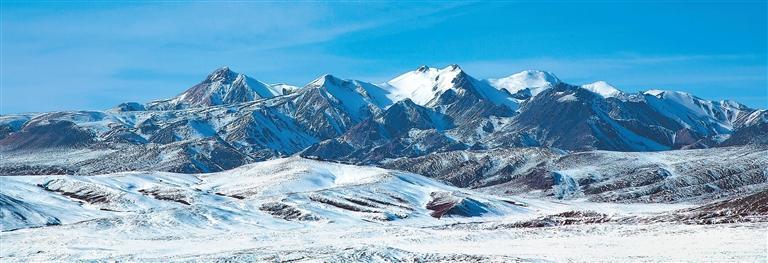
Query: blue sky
[{"x": 81, "y": 55}]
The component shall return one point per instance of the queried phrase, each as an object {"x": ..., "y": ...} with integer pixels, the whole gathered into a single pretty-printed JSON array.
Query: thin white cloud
[{"x": 84, "y": 54}]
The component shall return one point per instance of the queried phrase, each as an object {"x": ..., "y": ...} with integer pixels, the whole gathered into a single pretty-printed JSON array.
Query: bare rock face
[
  {"x": 475, "y": 169},
  {"x": 130, "y": 106},
  {"x": 287, "y": 212},
  {"x": 448, "y": 204},
  {"x": 562, "y": 219},
  {"x": 47, "y": 134},
  {"x": 173, "y": 194}
]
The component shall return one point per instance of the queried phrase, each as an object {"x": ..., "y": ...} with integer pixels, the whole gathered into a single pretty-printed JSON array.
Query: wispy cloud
[
  {"x": 95, "y": 55},
  {"x": 84, "y": 57}
]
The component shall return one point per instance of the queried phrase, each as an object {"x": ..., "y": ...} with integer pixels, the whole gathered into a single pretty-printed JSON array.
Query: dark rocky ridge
[
  {"x": 353, "y": 122},
  {"x": 673, "y": 176}
]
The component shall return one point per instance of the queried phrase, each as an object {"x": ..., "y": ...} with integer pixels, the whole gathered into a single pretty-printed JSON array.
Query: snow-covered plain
[
  {"x": 329, "y": 242},
  {"x": 296, "y": 209}
]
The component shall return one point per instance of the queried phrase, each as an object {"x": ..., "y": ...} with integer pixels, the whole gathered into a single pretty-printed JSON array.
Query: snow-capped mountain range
[
  {"x": 230, "y": 119},
  {"x": 431, "y": 166}
]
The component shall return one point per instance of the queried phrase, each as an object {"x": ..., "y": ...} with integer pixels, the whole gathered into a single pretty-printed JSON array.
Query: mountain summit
[
  {"x": 433, "y": 87},
  {"x": 526, "y": 83},
  {"x": 423, "y": 111},
  {"x": 222, "y": 86},
  {"x": 424, "y": 84},
  {"x": 602, "y": 88}
]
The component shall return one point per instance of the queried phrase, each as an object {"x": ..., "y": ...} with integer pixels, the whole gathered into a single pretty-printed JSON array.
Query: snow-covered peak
[
  {"x": 533, "y": 80},
  {"x": 221, "y": 74},
  {"x": 222, "y": 86},
  {"x": 654, "y": 92},
  {"x": 695, "y": 104},
  {"x": 283, "y": 88},
  {"x": 353, "y": 94},
  {"x": 602, "y": 88},
  {"x": 319, "y": 81},
  {"x": 323, "y": 80},
  {"x": 423, "y": 84},
  {"x": 330, "y": 82},
  {"x": 693, "y": 111},
  {"x": 676, "y": 96}
]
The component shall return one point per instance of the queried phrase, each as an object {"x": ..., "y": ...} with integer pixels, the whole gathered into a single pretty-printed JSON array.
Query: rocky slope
[
  {"x": 230, "y": 119},
  {"x": 648, "y": 177},
  {"x": 294, "y": 209},
  {"x": 292, "y": 189}
]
